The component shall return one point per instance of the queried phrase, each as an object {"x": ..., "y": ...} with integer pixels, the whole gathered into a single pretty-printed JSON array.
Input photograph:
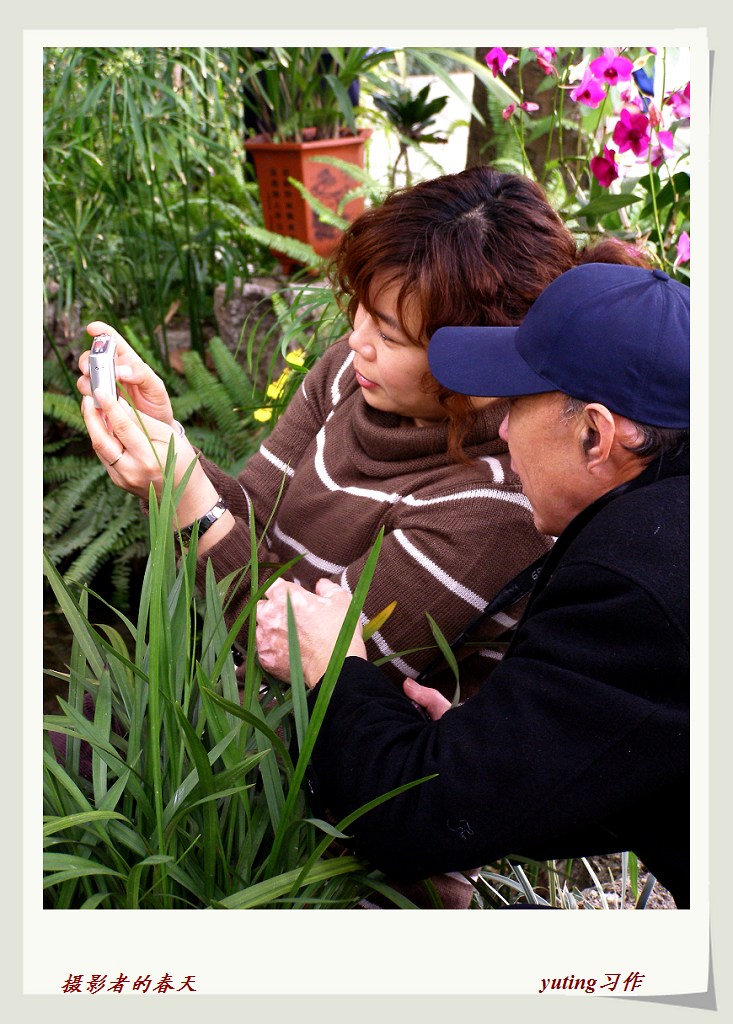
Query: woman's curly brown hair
[{"x": 474, "y": 248}]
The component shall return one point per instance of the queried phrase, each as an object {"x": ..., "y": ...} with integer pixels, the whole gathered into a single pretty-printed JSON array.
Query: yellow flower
[
  {"x": 296, "y": 357},
  {"x": 277, "y": 387}
]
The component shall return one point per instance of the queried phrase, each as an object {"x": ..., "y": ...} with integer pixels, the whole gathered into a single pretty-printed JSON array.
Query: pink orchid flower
[
  {"x": 652, "y": 49},
  {"x": 545, "y": 56},
  {"x": 680, "y": 102},
  {"x": 499, "y": 61},
  {"x": 589, "y": 92},
  {"x": 665, "y": 142},
  {"x": 508, "y": 111},
  {"x": 632, "y": 132},
  {"x": 654, "y": 115},
  {"x": 548, "y": 68},
  {"x": 604, "y": 167},
  {"x": 611, "y": 68},
  {"x": 683, "y": 249}
]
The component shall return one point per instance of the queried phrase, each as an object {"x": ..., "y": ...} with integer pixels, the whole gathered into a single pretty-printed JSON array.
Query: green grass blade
[{"x": 267, "y": 891}]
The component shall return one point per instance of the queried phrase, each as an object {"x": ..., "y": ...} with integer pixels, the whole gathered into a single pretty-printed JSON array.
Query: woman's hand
[
  {"x": 134, "y": 448},
  {"x": 433, "y": 701},
  {"x": 145, "y": 388},
  {"x": 318, "y": 617}
]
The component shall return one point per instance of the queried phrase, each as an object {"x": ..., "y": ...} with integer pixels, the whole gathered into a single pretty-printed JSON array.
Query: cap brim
[{"x": 483, "y": 361}]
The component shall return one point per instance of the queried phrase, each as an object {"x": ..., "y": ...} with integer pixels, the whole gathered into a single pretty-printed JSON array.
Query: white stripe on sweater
[
  {"x": 320, "y": 563},
  {"x": 504, "y": 620},
  {"x": 475, "y": 600},
  {"x": 359, "y": 492},
  {"x": 496, "y": 468},
  {"x": 387, "y": 652},
  {"x": 513, "y": 497},
  {"x": 381, "y": 644},
  {"x": 336, "y": 386},
  {"x": 277, "y": 463}
]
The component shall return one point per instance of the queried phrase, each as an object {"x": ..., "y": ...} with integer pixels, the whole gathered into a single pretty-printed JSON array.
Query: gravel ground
[{"x": 608, "y": 870}]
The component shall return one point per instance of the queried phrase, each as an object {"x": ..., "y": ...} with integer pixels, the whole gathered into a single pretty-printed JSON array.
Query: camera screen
[{"x": 100, "y": 343}]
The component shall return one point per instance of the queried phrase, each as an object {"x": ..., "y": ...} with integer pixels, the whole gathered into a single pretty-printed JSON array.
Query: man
[{"x": 578, "y": 745}]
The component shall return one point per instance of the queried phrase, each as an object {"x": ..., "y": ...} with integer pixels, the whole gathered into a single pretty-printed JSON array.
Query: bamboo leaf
[{"x": 606, "y": 203}]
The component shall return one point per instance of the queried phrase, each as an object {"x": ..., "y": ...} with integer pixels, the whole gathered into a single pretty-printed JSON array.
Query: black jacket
[{"x": 577, "y": 745}]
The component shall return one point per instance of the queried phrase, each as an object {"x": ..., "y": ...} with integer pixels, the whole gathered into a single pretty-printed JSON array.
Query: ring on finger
[{"x": 118, "y": 458}]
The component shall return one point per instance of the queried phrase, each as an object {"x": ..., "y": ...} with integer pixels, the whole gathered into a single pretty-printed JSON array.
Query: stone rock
[{"x": 248, "y": 307}]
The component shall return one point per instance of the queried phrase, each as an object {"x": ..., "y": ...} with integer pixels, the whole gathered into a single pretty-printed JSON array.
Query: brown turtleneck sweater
[{"x": 454, "y": 534}]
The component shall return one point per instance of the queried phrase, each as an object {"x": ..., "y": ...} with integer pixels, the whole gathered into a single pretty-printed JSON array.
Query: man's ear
[{"x": 598, "y": 432}]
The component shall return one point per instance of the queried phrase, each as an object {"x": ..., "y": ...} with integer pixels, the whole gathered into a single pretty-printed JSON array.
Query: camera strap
[{"x": 515, "y": 589}]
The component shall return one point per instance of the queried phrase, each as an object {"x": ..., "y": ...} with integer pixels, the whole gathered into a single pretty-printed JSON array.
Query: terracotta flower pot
[{"x": 285, "y": 211}]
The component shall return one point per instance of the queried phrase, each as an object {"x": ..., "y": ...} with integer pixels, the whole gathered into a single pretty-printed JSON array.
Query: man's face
[{"x": 547, "y": 454}]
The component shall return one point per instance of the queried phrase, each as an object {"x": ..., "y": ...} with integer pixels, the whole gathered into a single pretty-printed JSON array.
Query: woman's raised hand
[
  {"x": 133, "y": 442},
  {"x": 133, "y": 446},
  {"x": 145, "y": 388}
]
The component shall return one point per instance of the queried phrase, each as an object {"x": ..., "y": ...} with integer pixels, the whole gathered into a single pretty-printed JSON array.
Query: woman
[{"x": 371, "y": 440}]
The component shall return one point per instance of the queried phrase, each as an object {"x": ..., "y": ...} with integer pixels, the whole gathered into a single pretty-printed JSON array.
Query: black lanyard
[{"x": 515, "y": 589}]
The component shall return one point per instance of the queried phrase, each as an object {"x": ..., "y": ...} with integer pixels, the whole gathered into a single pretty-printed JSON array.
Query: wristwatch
[{"x": 206, "y": 520}]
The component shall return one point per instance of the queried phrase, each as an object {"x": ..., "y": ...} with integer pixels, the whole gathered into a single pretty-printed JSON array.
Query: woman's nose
[
  {"x": 503, "y": 428},
  {"x": 360, "y": 341}
]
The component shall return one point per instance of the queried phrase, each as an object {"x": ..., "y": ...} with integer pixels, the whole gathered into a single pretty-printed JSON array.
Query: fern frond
[
  {"x": 295, "y": 250},
  {"x": 54, "y": 377},
  {"x": 186, "y": 405},
  {"x": 112, "y": 539},
  {"x": 354, "y": 171},
  {"x": 63, "y": 409},
  {"x": 216, "y": 447},
  {"x": 58, "y": 470},
  {"x": 325, "y": 214},
  {"x": 229, "y": 421},
  {"x": 230, "y": 372},
  {"x": 61, "y": 504}
]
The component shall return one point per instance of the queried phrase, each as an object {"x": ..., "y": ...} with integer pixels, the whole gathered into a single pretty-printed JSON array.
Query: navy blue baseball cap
[{"x": 601, "y": 332}]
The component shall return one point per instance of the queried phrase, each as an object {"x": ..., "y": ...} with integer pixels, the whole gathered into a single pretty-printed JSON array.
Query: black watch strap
[{"x": 206, "y": 520}]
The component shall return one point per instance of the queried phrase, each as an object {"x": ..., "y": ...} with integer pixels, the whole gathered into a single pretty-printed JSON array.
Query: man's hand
[
  {"x": 318, "y": 617},
  {"x": 433, "y": 701}
]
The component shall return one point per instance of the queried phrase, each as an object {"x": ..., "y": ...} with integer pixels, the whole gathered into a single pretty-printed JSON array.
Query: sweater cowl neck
[{"x": 383, "y": 437}]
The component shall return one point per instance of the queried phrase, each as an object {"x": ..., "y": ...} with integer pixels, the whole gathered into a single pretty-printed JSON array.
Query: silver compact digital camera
[{"x": 102, "y": 366}]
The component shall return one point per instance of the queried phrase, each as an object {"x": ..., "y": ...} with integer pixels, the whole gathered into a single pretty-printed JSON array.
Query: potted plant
[{"x": 299, "y": 104}]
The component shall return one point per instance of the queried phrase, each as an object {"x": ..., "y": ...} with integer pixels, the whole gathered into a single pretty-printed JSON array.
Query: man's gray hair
[{"x": 650, "y": 442}]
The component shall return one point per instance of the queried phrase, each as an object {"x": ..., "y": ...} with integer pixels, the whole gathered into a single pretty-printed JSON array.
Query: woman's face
[{"x": 389, "y": 367}]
